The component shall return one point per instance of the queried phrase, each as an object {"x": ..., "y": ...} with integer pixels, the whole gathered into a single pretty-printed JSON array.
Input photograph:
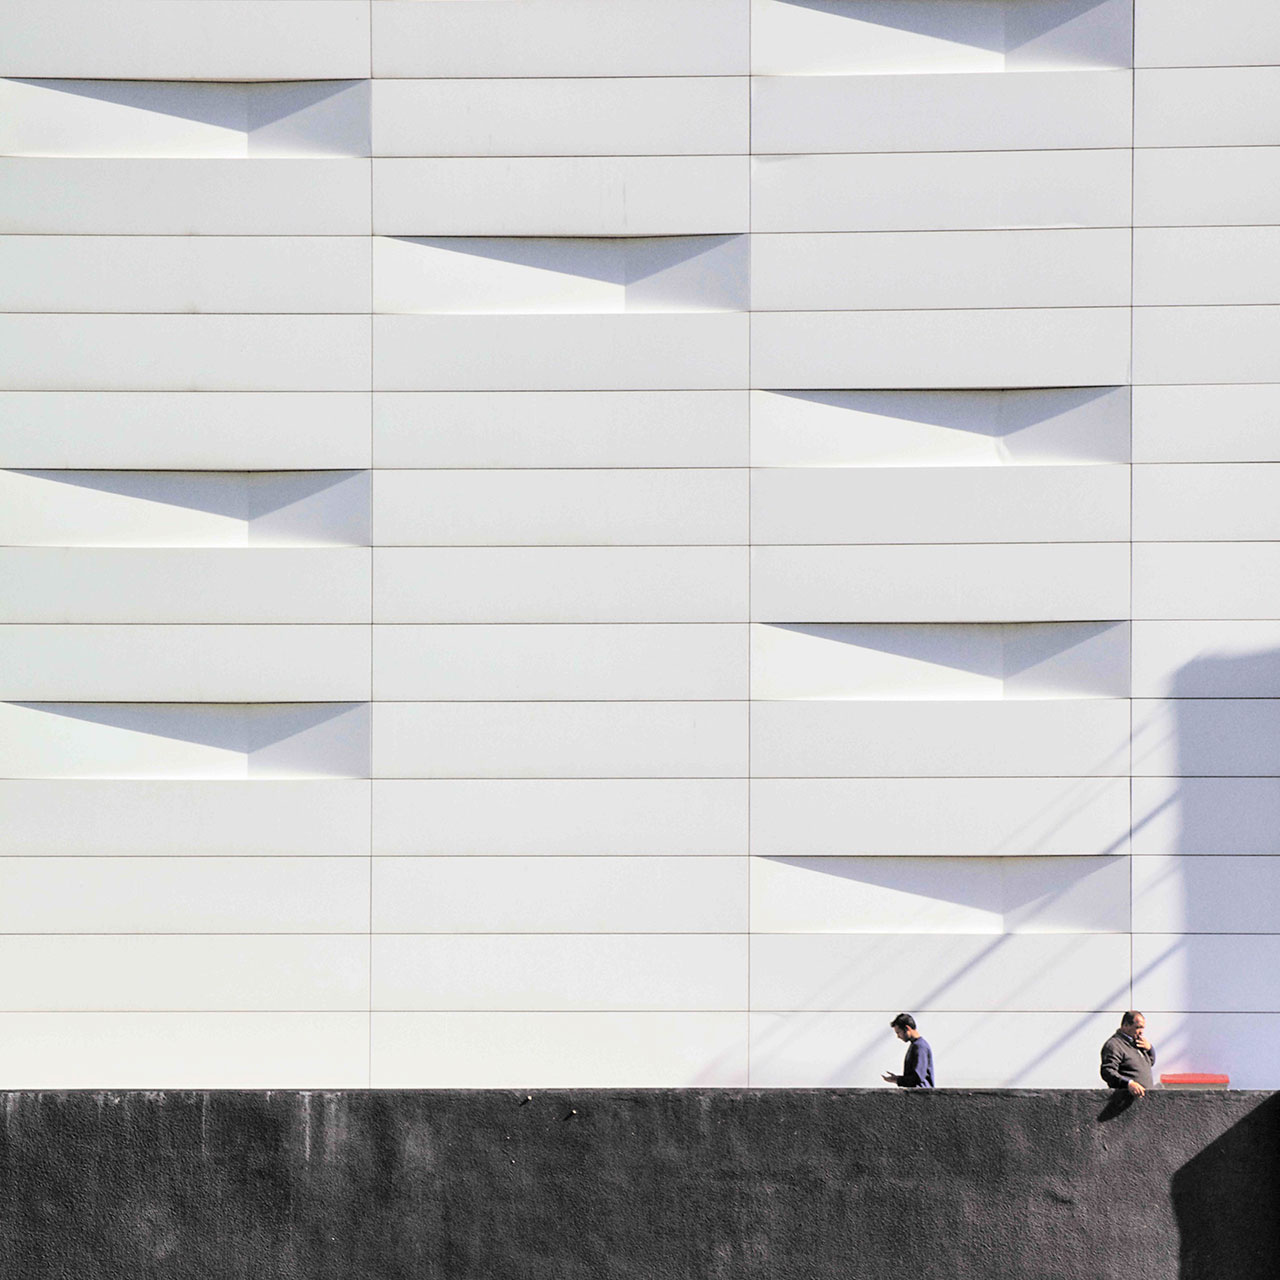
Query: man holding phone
[
  {"x": 1127, "y": 1058},
  {"x": 917, "y": 1069}
]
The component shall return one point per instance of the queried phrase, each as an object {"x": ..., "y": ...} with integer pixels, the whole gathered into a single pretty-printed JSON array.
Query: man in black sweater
[
  {"x": 917, "y": 1069},
  {"x": 1127, "y": 1058}
]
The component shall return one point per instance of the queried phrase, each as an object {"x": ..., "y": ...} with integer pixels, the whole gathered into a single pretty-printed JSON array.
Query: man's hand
[
  {"x": 1143, "y": 1043},
  {"x": 888, "y": 1077},
  {"x": 1136, "y": 1089}
]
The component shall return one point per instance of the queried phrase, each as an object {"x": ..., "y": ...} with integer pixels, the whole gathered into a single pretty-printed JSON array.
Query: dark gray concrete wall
[{"x": 646, "y": 1185}]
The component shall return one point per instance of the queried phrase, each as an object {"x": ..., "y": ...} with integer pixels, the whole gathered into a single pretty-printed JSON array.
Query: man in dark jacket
[
  {"x": 917, "y": 1069},
  {"x": 1127, "y": 1058}
]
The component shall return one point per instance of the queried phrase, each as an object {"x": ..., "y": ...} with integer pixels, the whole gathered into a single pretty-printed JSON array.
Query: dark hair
[
  {"x": 1130, "y": 1017},
  {"x": 904, "y": 1020}
]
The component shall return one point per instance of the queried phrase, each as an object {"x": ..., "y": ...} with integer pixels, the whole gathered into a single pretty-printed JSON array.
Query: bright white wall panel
[
  {"x": 1206, "y": 815},
  {"x": 940, "y": 895},
  {"x": 1199, "y": 33},
  {"x": 1205, "y": 895},
  {"x": 561, "y": 196},
  {"x": 1176, "y": 266},
  {"x": 957, "y": 739},
  {"x": 522, "y": 817},
  {"x": 561, "y": 38},
  {"x": 1206, "y": 186},
  {"x": 921, "y": 270},
  {"x": 188, "y": 39},
  {"x": 546, "y": 663},
  {"x": 568, "y": 971},
  {"x": 1207, "y": 503},
  {"x": 185, "y": 197},
  {"x": 1240, "y": 1045},
  {"x": 559, "y": 895},
  {"x": 276, "y": 275},
  {"x": 1205, "y": 580},
  {"x": 1207, "y": 423},
  {"x": 910, "y": 971},
  {"x": 1206, "y": 659},
  {"x": 1079, "y": 346},
  {"x": 566, "y": 740},
  {"x": 1229, "y": 737},
  {"x": 141, "y": 818},
  {"x": 184, "y": 895},
  {"x": 553, "y": 353},
  {"x": 1206, "y": 344},
  {"x": 190, "y": 973},
  {"x": 961, "y": 817},
  {"x": 135, "y": 585},
  {"x": 184, "y": 353},
  {"x": 184, "y": 1050},
  {"x": 813, "y": 114},
  {"x": 1206, "y": 973},
  {"x": 817, "y": 505},
  {"x": 937, "y": 191},
  {"x": 1207, "y": 107},
  {"x": 667, "y": 116},
  {"x": 560, "y": 429},
  {"x": 992, "y": 583},
  {"x": 558, "y": 1050},
  {"x": 616, "y": 507},
  {"x": 184, "y": 429},
  {"x": 560, "y": 584}
]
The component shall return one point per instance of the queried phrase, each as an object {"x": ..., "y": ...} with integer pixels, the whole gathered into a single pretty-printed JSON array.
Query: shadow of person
[
  {"x": 1226, "y": 1200},
  {"x": 1119, "y": 1102}
]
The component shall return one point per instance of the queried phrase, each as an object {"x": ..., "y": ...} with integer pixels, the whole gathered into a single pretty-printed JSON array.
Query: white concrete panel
[
  {"x": 561, "y": 196},
  {"x": 1200, "y": 33},
  {"x": 184, "y": 353},
  {"x": 136, "y": 585},
  {"x": 1206, "y": 659},
  {"x": 184, "y": 1050},
  {"x": 1206, "y": 186},
  {"x": 819, "y": 505},
  {"x": 830, "y": 37},
  {"x": 1239, "y": 1045},
  {"x": 198, "y": 819},
  {"x": 188, "y": 39},
  {"x": 559, "y": 353},
  {"x": 1206, "y": 815},
  {"x": 132, "y": 118},
  {"x": 569, "y": 971},
  {"x": 242, "y": 973},
  {"x": 560, "y": 740},
  {"x": 521, "y": 817},
  {"x": 185, "y": 197},
  {"x": 616, "y": 507},
  {"x": 1206, "y": 580},
  {"x": 557, "y": 1050},
  {"x": 184, "y": 508},
  {"x": 185, "y": 664},
  {"x": 942, "y": 269},
  {"x": 1205, "y": 895},
  {"x": 506, "y": 275},
  {"x": 993, "y": 583},
  {"x": 912, "y": 971},
  {"x": 1206, "y": 737},
  {"x": 973, "y": 428},
  {"x": 1206, "y": 973},
  {"x": 1052, "y": 109},
  {"x": 1081, "y": 346},
  {"x": 184, "y": 740},
  {"x": 850, "y": 1050},
  {"x": 561, "y": 38},
  {"x": 184, "y": 895},
  {"x": 560, "y": 584},
  {"x": 559, "y": 895},
  {"x": 1207, "y": 107},
  {"x": 1207, "y": 424},
  {"x": 1206, "y": 344},
  {"x": 559, "y": 429},
  {"x": 956, "y": 817},
  {"x": 936, "y": 662},
  {"x": 1178, "y": 266},
  {"x": 667, "y": 116},
  {"x": 277, "y": 275},
  {"x": 1052, "y": 738},
  {"x": 940, "y": 895},
  {"x": 550, "y": 663},
  {"x": 1210, "y": 502}
]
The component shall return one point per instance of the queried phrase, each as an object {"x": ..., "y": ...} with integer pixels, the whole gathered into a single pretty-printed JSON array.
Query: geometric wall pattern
[{"x": 557, "y": 543}]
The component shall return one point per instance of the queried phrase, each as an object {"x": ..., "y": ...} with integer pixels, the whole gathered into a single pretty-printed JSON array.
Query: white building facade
[{"x": 624, "y": 542}]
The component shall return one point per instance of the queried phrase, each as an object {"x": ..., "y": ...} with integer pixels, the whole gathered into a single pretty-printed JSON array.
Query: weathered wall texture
[{"x": 783, "y": 1185}]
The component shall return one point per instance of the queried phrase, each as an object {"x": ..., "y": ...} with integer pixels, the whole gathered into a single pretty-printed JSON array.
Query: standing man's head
[
  {"x": 904, "y": 1027},
  {"x": 1133, "y": 1024}
]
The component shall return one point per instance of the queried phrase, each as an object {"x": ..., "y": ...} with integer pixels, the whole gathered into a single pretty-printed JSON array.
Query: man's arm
[
  {"x": 1110, "y": 1069},
  {"x": 910, "y": 1077}
]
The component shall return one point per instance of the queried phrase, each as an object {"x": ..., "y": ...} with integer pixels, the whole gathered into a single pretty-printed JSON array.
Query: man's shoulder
[{"x": 1116, "y": 1040}]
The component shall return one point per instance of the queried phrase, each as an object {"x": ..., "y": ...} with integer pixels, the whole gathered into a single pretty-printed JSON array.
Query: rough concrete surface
[{"x": 653, "y": 1184}]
